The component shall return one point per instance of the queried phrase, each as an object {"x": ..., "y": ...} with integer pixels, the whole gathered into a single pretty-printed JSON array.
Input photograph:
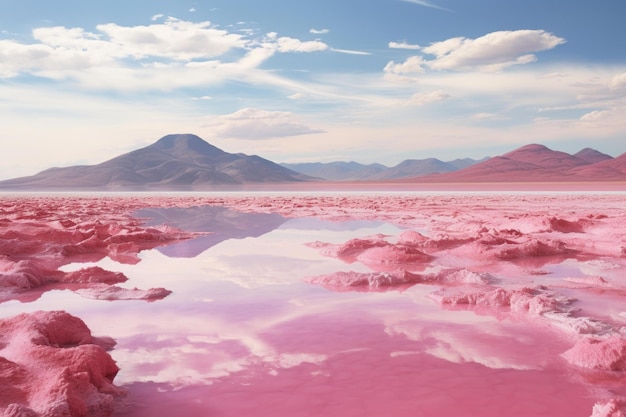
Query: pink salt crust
[
  {"x": 481, "y": 251},
  {"x": 51, "y": 365}
]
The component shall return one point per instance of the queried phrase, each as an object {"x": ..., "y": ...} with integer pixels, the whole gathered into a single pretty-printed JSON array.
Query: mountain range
[
  {"x": 537, "y": 163},
  {"x": 185, "y": 161},
  {"x": 353, "y": 171}
]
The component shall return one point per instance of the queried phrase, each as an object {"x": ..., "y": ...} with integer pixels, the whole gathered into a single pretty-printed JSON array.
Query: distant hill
[
  {"x": 338, "y": 171},
  {"x": 353, "y": 171},
  {"x": 592, "y": 156},
  {"x": 537, "y": 163},
  {"x": 174, "y": 161}
]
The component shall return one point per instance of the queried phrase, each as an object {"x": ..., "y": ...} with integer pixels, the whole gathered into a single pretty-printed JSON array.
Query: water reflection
[{"x": 220, "y": 224}]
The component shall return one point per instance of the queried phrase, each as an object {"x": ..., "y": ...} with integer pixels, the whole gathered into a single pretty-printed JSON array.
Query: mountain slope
[{"x": 173, "y": 161}]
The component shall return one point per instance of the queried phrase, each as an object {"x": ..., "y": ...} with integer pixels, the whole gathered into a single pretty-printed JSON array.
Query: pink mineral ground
[{"x": 308, "y": 304}]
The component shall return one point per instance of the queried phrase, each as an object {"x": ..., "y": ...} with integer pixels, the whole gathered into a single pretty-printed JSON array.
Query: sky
[{"x": 302, "y": 81}]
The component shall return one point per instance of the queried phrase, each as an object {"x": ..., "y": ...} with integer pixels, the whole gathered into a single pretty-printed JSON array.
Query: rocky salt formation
[
  {"x": 399, "y": 278},
  {"x": 38, "y": 236},
  {"x": 51, "y": 366}
]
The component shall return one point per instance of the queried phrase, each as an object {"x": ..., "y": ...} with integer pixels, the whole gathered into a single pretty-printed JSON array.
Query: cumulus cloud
[
  {"x": 162, "y": 56},
  {"x": 69, "y": 52},
  {"x": 491, "y": 52},
  {"x": 319, "y": 31},
  {"x": 287, "y": 44},
  {"x": 175, "y": 39},
  {"x": 252, "y": 123},
  {"x": 412, "y": 65}
]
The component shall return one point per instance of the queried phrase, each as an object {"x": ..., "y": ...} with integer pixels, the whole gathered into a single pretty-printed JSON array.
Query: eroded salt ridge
[{"x": 51, "y": 365}]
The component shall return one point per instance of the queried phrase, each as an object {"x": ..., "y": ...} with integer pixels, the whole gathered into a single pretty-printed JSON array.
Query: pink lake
[{"x": 258, "y": 325}]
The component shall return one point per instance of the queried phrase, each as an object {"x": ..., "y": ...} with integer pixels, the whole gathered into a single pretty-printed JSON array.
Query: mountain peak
[
  {"x": 592, "y": 156},
  {"x": 182, "y": 143},
  {"x": 533, "y": 147}
]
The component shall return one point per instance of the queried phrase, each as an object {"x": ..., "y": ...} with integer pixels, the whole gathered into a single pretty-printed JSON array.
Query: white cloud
[
  {"x": 73, "y": 53},
  {"x": 252, "y": 123},
  {"x": 156, "y": 17},
  {"x": 492, "y": 52},
  {"x": 286, "y": 44},
  {"x": 350, "y": 51},
  {"x": 175, "y": 39},
  {"x": 319, "y": 31},
  {"x": 161, "y": 56},
  {"x": 594, "y": 115},
  {"x": 403, "y": 45},
  {"x": 412, "y": 65}
]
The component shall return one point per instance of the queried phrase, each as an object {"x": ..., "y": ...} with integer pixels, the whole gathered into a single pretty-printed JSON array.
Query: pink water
[{"x": 244, "y": 333}]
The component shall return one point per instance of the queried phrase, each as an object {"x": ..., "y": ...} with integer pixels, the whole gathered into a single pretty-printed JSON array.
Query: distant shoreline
[{"x": 590, "y": 186}]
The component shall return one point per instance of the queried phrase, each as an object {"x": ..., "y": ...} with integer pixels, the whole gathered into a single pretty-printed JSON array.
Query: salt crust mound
[
  {"x": 607, "y": 354},
  {"x": 365, "y": 280},
  {"x": 51, "y": 366},
  {"x": 113, "y": 292},
  {"x": 537, "y": 302},
  {"x": 398, "y": 278}
]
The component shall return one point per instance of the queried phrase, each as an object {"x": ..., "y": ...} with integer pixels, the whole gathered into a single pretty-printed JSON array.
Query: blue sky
[{"x": 365, "y": 80}]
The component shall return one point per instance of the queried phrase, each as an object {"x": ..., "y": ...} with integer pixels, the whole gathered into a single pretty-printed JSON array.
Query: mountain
[
  {"x": 537, "y": 163},
  {"x": 337, "y": 171},
  {"x": 353, "y": 171},
  {"x": 592, "y": 156},
  {"x": 174, "y": 161}
]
